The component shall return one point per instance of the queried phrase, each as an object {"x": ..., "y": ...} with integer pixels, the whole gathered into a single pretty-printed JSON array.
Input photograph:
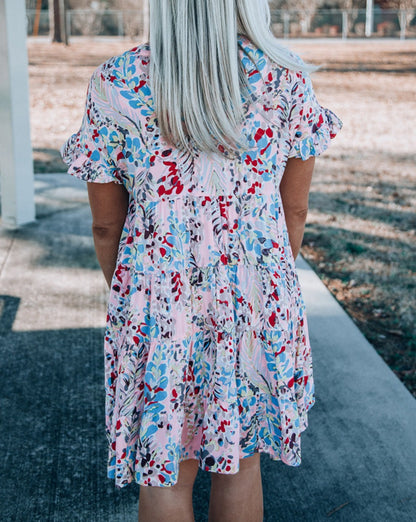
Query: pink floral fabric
[{"x": 207, "y": 354}]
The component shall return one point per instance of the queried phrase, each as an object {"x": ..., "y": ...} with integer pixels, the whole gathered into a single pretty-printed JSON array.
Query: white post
[
  {"x": 403, "y": 23},
  {"x": 145, "y": 14},
  {"x": 344, "y": 25},
  {"x": 369, "y": 18},
  {"x": 120, "y": 23},
  {"x": 16, "y": 161},
  {"x": 286, "y": 25}
]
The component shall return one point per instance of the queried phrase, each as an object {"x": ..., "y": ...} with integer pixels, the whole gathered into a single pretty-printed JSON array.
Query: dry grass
[{"x": 360, "y": 236}]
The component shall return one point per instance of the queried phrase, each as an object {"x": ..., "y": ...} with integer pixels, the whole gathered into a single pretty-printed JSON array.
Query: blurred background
[
  {"x": 311, "y": 18},
  {"x": 360, "y": 236}
]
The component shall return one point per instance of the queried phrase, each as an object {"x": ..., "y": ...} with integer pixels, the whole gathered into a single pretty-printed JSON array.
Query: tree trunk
[{"x": 57, "y": 21}]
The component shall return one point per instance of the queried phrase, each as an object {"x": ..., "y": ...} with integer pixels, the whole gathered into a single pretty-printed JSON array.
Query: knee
[
  {"x": 248, "y": 467},
  {"x": 251, "y": 464},
  {"x": 188, "y": 470}
]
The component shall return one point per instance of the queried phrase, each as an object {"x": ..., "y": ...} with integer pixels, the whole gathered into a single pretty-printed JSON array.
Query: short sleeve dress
[{"x": 207, "y": 354}]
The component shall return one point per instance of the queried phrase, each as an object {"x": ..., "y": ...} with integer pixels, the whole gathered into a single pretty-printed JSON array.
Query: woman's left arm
[{"x": 109, "y": 204}]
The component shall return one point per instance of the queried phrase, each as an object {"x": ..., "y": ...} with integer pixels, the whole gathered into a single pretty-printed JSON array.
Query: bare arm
[
  {"x": 109, "y": 204},
  {"x": 294, "y": 190}
]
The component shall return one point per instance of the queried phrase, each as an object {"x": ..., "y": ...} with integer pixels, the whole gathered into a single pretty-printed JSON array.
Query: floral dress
[{"x": 207, "y": 354}]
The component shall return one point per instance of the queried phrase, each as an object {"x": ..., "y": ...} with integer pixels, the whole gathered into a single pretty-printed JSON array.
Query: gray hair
[{"x": 196, "y": 75}]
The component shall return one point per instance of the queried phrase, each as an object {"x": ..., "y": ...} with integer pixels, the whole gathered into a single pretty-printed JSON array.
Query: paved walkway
[{"x": 359, "y": 452}]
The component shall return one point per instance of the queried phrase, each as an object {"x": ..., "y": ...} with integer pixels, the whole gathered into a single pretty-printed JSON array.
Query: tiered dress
[{"x": 207, "y": 354}]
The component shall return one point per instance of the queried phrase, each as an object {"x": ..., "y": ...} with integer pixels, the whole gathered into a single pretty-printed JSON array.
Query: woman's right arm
[{"x": 294, "y": 190}]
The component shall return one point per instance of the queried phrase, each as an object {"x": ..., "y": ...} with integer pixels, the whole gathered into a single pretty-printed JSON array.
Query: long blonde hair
[{"x": 196, "y": 75}]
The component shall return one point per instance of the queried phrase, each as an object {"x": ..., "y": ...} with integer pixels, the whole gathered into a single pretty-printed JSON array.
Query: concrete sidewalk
[{"x": 359, "y": 452}]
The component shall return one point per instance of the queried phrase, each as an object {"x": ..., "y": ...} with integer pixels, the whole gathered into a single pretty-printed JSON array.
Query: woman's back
[
  {"x": 120, "y": 141},
  {"x": 206, "y": 328}
]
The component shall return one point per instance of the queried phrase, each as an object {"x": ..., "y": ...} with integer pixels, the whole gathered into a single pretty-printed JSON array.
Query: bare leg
[
  {"x": 174, "y": 503},
  {"x": 238, "y": 497}
]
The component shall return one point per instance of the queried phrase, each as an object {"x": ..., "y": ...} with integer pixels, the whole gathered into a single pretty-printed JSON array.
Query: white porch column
[{"x": 16, "y": 161}]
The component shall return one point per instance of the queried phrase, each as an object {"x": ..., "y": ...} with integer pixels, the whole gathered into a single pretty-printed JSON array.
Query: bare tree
[
  {"x": 136, "y": 22},
  {"x": 398, "y": 4},
  {"x": 352, "y": 7},
  {"x": 407, "y": 11},
  {"x": 57, "y": 18},
  {"x": 305, "y": 9}
]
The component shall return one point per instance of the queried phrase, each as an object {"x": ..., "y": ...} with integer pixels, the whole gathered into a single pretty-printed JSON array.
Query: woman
[{"x": 199, "y": 150}]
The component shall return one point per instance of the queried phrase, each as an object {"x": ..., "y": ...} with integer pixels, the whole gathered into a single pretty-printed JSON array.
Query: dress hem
[{"x": 261, "y": 449}]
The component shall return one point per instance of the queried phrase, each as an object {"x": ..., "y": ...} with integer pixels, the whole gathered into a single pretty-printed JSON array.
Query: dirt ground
[{"x": 360, "y": 236}]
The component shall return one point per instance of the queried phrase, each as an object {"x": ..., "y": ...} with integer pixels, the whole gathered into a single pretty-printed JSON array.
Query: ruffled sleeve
[
  {"x": 91, "y": 154},
  {"x": 311, "y": 126}
]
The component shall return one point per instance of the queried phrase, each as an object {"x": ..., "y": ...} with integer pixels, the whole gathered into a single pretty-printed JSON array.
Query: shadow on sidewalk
[{"x": 52, "y": 432}]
